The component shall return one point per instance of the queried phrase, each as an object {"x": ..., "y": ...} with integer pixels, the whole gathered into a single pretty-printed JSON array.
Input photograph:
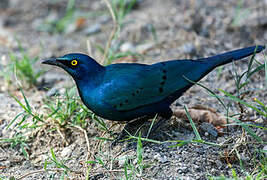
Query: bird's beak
[{"x": 51, "y": 61}]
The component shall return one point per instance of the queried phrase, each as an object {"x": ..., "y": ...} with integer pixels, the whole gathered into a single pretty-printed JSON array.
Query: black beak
[{"x": 51, "y": 61}]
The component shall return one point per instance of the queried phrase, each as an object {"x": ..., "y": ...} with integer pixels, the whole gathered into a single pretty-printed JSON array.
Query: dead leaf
[
  {"x": 200, "y": 114},
  {"x": 80, "y": 23}
]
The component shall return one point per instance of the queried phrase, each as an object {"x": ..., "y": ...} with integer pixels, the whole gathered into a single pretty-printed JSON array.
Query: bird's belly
[
  {"x": 102, "y": 108},
  {"x": 107, "y": 112}
]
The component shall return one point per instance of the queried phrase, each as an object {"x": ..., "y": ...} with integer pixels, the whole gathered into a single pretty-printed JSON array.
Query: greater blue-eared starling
[{"x": 126, "y": 91}]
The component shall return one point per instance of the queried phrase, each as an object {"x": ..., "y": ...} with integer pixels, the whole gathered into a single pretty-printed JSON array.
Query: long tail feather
[{"x": 235, "y": 55}]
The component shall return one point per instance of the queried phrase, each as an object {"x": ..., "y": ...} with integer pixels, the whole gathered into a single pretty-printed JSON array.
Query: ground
[{"x": 58, "y": 144}]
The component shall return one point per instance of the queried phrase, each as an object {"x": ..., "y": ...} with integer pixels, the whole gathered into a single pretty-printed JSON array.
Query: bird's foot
[
  {"x": 131, "y": 132},
  {"x": 128, "y": 131}
]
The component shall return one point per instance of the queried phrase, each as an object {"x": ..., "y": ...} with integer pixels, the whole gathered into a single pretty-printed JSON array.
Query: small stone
[
  {"x": 127, "y": 47},
  {"x": 209, "y": 128},
  {"x": 66, "y": 152},
  {"x": 40, "y": 158},
  {"x": 96, "y": 28},
  {"x": 135, "y": 161},
  {"x": 104, "y": 19},
  {"x": 188, "y": 48},
  {"x": 52, "y": 92},
  {"x": 70, "y": 28},
  {"x": 221, "y": 139},
  {"x": 144, "y": 47},
  {"x": 259, "y": 120},
  {"x": 161, "y": 159},
  {"x": 182, "y": 169},
  {"x": 6, "y": 163},
  {"x": 218, "y": 163},
  {"x": 122, "y": 160}
]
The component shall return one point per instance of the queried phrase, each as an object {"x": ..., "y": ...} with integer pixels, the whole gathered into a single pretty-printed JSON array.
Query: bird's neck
[
  {"x": 89, "y": 80},
  {"x": 88, "y": 83}
]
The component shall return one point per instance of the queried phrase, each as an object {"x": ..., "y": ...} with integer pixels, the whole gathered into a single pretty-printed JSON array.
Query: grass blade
[
  {"x": 243, "y": 102},
  {"x": 192, "y": 124},
  {"x": 210, "y": 91}
]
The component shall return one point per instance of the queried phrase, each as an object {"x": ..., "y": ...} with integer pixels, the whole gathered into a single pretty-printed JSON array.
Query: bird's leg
[
  {"x": 130, "y": 128},
  {"x": 134, "y": 127},
  {"x": 163, "y": 117}
]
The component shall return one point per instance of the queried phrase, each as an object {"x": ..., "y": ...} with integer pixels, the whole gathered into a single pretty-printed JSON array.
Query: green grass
[
  {"x": 241, "y": 83},
  {"x": 65, "y": 114},
  {"x": 23, "y": 125},
  {"x": 71, "y": 15},
  {"x": 121, "y": 8},
  {"x": 22, "y": 66},
  {"x": 59, "y": 165},
  {"x": 118, "y": 10},
  {"x": 240, "y": 14},
  {"x": 61, "y": 25},
  {"x": 67, "y": 109},
  {"x": 132, "y": 170},
  {"x": 259, "y": 173},
  {"x": 133, "y": 166}
]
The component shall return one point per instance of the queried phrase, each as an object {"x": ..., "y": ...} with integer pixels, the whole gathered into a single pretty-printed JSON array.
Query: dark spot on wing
[{"x": 164, "y": 78}]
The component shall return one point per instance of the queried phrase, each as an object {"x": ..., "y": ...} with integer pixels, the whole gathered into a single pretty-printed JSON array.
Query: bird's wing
[{"x": 134, "y": 86}]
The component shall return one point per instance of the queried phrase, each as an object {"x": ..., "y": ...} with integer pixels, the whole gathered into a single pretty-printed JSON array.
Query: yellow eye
[{"x": 74, "y": 62}]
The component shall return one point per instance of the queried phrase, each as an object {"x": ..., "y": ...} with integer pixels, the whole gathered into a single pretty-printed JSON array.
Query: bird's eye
[{"x": 74, "y": 62}]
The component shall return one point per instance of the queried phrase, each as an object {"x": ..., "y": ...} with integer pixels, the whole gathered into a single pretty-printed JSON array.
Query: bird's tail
[{"x": 235, "y": 55}]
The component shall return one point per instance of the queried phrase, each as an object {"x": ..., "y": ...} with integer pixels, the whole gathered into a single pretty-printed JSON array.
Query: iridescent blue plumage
[{"x": 123, "y": 92}]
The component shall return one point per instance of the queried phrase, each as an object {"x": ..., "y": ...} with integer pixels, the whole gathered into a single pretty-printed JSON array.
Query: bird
[{"x": 129, "y": 91}]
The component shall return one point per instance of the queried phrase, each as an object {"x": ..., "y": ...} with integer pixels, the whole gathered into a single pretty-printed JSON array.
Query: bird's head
[{"x": 76, "y": 64}]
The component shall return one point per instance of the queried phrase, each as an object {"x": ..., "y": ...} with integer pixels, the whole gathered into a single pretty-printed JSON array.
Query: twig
[
  {"x": 62, "y": 136},
  {"x": 45, "y": 170},
  {"x": 110, "y": 10},
  {"x": 105, "y": 132},
  {"x": 112, "y": 170},
  {"x": 241, "y": 107},
  {"x": 89, "y": 47},
  {"x": 108, "y": 171},
  {"x": 87, "y": 141},
  {"x": 113, "y": 31}
]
